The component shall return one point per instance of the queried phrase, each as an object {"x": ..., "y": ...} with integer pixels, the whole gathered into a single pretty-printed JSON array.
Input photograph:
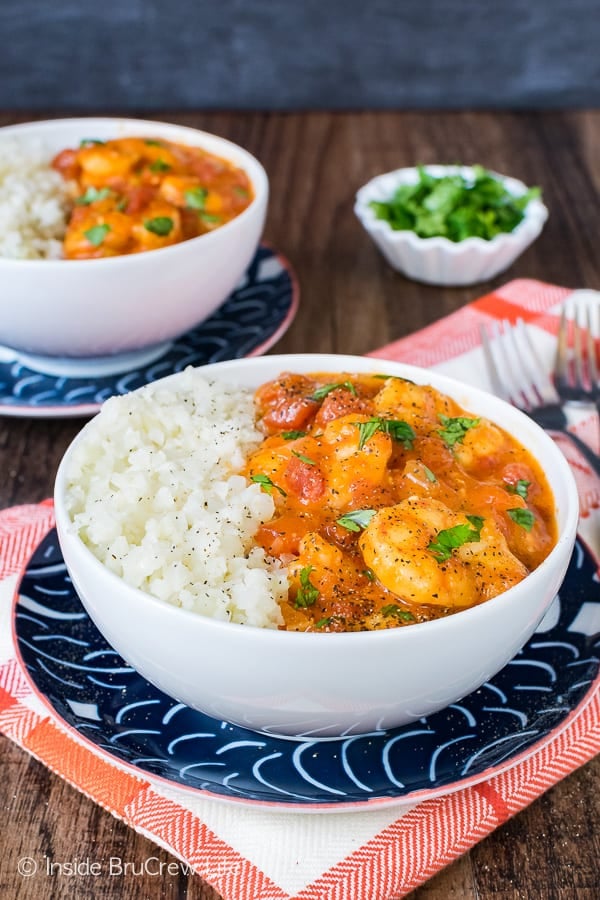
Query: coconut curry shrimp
[
  {"x": 135, "y": 194},
  {"x": 393, "y": 504}
]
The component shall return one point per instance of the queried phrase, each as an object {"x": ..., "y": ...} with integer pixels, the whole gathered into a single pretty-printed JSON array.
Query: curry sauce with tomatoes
[
  {"x": 135, "y": 194},
  {"x": 393, "y": 504}
]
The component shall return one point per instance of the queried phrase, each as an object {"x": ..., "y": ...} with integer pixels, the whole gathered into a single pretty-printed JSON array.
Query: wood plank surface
[{"x": 351, "y": 302}]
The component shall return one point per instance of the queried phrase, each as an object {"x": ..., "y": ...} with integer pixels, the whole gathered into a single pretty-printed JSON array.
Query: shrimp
[
  {"x": 480, "y": 448},
  {"x": 419, "y": 405},
  {"x": 354, "y": 470},
  {"x": 396, "y": 547}
]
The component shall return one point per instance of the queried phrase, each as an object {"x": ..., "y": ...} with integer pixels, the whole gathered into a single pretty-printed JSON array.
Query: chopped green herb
[
  {"x": 323, "y": 622},
  {"x": 454, "y": 207},
  {"x": 87, "y": 142},
  {"x": 96, "y": 234},
  {"x": 159, "y": 165},
  {"x": 392, "y": 609},
  {"x": 152, "y": 143},
  {"x": 292, "y": 435},
  {"x": 266, "y": 483},
  {"x": 209, "y": 218},
  {"x": 123, "y": 204},
  {"x": 240, "y": 191},
  {"x": 429, "y": 474},
  {"x": 92, "y": 194},
  {"x": 520, "y": 488},
  {"x": 304, "y": 459},
  {"x": 160, "y": 225},
  {"x": 195, "y": 198},
  {"x": 449, "y": 539},
  {"x": 326, "y": 389},
  {"x": 455, "y": 429},
  {"x": 398, "y": 377},
  {"x": 523, "y": 517},
  {"x": 356, "y": 520},
  {"x": 369, "y": 573},
  {"x": 397, "y": 430},
  {"x": 307, "y": 592}
]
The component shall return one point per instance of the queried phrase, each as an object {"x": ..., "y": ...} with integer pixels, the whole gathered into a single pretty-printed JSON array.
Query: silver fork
[
  {"x": 576, "y": 365},
  {"x": 518, "y": 376}
]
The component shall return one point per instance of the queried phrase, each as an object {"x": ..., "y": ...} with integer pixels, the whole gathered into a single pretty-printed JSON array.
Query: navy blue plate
[
  {"x": 92, "y": 690},
  {"x": 251, "y": 320}
]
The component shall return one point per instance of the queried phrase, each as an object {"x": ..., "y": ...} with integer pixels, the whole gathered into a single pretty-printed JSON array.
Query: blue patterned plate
[
  {"x": 92, "y": 690},
  {"x": 251, "y": 320}
]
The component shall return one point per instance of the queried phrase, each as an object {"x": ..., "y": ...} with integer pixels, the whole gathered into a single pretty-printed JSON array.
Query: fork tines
[
  {"x": 515, "y": 369},
  {"x": 576, "y": 366}
]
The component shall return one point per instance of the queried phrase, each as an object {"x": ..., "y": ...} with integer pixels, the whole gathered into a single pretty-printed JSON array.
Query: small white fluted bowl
[
  {"x": 321, "y": 685},
  {"x": 121, "y": 304},
  {"x": 437, "y": 260}
]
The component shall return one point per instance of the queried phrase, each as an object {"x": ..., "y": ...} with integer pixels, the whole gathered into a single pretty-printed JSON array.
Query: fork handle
[{"x": 591, "y": 458}]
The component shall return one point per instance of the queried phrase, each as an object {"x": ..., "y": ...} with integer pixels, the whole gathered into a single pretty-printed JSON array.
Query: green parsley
[
  {"x": 195, "y": 198},
  {"x": 240, "y": 191},
  {"x": 307, "y": 592},
  {"x": 449, "y": 539},
  {"x": 96, "y": 234},
  {"x": 356, "y": 520},
  {"x": 326, "y": 389},
  {"x": 159, "y": 165},
  {"x": 369, "y": 573},
  {"x": 152, "y": 143},
  {"x": 397, "y": 377},
  {"x": 399, "y": 431},
  {"x": 209, "y": 218},
  {"x": 429, "y": 474},
  {"x": 266, "y": 483},
  {"x": 523, "y": 517},
  {"x": 88, "y": 142},
  {"x": 392, "y": 609},
  {"x": 292, "y": 435},
  {"x": 520, "y": 488},
  {"x": 304, "y": 459},
  {"x": 123, "y": 204},
  {"x": 454, "y": 206},
  {"x": 454, "y": 430},
  {"x": 92, "y": 195},
  {"x": 323, "y": 622},
  {"x": 160, "y": 225}
]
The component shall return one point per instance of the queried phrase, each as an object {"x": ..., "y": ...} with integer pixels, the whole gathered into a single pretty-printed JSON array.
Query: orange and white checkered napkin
[{"x": 251, "y": 853}]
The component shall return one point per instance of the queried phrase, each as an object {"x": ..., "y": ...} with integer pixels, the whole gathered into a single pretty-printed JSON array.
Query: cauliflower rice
[
  {"x": 153, "y": 492},
  {"x": 34, "y": 202}
]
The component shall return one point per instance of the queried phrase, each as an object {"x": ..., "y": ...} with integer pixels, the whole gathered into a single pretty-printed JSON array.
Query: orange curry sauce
[
  {"x": 393, "y": 504},
  {"x": 136, "y": 194}
]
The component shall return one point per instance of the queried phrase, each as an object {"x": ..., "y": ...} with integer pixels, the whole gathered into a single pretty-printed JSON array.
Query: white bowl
[
  {"x": 95, "y": 307},
  {"x": 438, "y": 260},
  {"x": 299, "y": 684}
]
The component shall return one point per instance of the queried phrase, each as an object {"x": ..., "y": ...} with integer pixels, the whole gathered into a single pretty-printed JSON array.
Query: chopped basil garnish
[
  {"x": 96, "y": 234},
  {"x": 160, "y": 225},
  {"x": 92, "y": 194},
  {"x": 429, "y": 474},
  {"x": 266, "y": 483},
  {"x": 195, "y": 198},
  {"x": 292, "y": 435},
  {"x": 455, "y": 429},
  {"x": 399, "y": 431},
  {"x": 322, "y": 392},
  {"x": 449, "y": 539},
  {"x": 392, "y": 609},
  {"x": 307, "y": 592},
  {"x": 356, "y": 520},
  {"x": 523, "y": 517},
  {"x": 520, "y": 488},
  {"x": 304, "y": 459}
]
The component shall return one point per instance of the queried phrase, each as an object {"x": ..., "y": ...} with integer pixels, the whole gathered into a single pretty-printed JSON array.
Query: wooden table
[{"x": 351, "y": 302}]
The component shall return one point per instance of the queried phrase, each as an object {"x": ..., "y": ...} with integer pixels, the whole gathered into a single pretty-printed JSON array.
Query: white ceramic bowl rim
[
  {"x": 323, "y": 363},
  {"x": 535, "y": 211},
  {"x": 259, "y": 183}
]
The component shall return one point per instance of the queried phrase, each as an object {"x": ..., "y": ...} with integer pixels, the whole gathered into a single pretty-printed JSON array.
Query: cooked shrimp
[
  {"x": 417, "y": 404},
  {"x": 354, "y": 468},
  {"x": 396, "y": 545}
]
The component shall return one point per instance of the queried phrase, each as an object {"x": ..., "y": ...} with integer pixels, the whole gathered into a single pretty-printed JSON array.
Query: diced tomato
[
  {"x": 138, "y": 197},
  {"x": 283, "y": 535},
  {"x": 66, "y": 163},
  {"x": 286, "y": 403},
  {"x": 304, "y": 480},
  {"x": 341, "y": 402}
]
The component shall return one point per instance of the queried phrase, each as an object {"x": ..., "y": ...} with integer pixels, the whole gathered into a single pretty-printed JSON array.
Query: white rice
[
  {"x": 34, "y": 202},
  {"x": 153, "y": 492}
]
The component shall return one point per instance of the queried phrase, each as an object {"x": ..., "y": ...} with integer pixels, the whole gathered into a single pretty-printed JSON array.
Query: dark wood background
[{"x": 351, "y": 302}]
